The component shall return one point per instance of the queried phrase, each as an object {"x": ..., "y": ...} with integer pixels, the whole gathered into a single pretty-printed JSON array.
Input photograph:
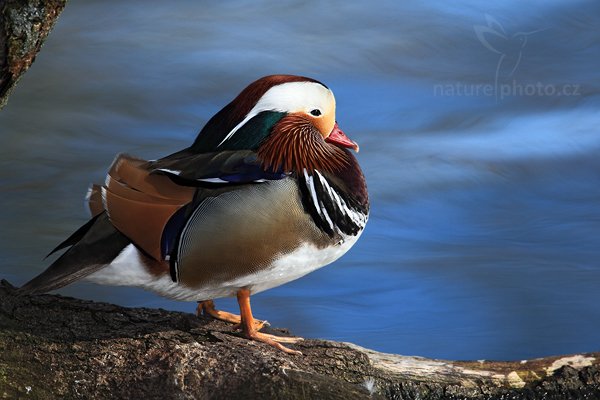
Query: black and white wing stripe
[{"x": 333, "y": 210}]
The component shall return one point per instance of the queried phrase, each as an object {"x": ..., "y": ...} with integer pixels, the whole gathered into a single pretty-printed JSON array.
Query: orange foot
[
  {"x": 207, "y": 308},
  {"x": 249, "y": 330}
]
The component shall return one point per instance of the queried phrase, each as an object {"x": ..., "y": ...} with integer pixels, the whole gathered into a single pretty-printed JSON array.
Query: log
[
  {"x": 24, "y": 26},
  {"x": 59, "y": 347}
]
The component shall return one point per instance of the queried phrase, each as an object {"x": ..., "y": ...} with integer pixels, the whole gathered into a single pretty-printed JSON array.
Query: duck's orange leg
[
  {"x": 249, "y": 330},
  {"x": 207, "y": 308}
]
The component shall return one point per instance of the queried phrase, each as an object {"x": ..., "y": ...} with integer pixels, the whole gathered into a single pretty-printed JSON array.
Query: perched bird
[{"x": 267, "y": 193}]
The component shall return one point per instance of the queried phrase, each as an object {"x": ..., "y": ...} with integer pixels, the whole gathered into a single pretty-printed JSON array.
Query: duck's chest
[
  {"x": 287, "y": 267},
  {"x": 267, "y": 234},
  {"x": 244, "y": 231}
]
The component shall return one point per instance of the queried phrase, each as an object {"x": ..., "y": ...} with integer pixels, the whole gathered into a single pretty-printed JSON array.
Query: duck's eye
[{"x": 315, "y": 112}]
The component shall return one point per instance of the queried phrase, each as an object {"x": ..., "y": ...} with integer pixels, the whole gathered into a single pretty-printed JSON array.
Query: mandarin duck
[{"x": 267, "y": 193}]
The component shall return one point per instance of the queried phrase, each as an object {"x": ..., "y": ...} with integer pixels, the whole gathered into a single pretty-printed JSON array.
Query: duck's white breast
[{"x": 129, "y": 270}]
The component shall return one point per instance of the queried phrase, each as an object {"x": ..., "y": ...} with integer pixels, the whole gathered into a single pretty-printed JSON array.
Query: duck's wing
[
  {"x": 235, "y": 166},
  {"x": 149, "y": 201},
  {"x": 140, "y": 204}
]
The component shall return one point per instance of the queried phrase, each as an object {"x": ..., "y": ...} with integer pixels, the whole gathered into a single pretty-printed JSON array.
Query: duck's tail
[{"x": 93, "y": 246}]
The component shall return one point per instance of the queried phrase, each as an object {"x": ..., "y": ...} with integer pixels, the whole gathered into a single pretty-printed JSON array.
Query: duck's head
[{"x": 288, "y": 120}]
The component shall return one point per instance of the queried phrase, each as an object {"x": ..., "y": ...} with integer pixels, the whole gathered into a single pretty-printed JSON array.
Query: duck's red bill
[{"x": 338, "y": 137}]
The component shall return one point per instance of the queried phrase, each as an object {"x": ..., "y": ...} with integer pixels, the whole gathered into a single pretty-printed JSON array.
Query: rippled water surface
[{"x": 479, "y": 131}]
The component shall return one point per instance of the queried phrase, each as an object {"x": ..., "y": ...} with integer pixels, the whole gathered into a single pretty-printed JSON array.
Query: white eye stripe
[
  {"x": 238, "y": 126},
  {"x": 289, "y": 97}
]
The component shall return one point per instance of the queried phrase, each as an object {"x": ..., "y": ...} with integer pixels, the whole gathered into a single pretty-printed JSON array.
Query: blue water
[{"x": 483, "y": 239}]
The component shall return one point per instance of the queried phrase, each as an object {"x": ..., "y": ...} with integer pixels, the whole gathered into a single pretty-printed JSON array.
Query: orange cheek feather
[{"x": 324, "y": 124}]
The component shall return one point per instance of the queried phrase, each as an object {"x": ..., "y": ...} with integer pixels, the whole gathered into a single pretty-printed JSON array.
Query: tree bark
[
  {"x": 59, "y": 347},
  {"x": 24, "y": 26}
]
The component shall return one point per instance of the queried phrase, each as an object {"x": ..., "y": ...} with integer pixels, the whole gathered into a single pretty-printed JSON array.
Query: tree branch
[
  {"x": 58, "y": 347},
  {"x": 24, "y": 26}
]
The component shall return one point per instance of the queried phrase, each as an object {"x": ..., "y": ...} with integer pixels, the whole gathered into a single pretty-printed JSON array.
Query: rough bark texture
[
  {"x": 24, "y": 25},
  {"x": 58, "y": 347}
]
